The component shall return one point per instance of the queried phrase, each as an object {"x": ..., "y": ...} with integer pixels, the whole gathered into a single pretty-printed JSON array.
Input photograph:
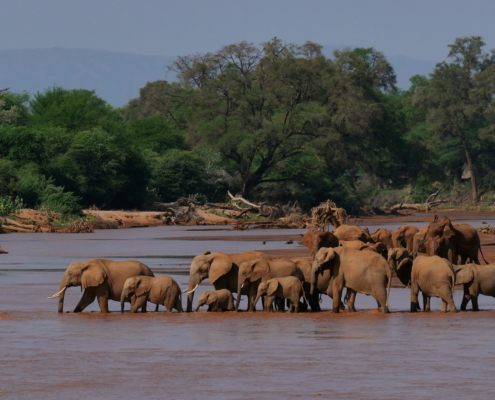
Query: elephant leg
[
  {"x": 381, "y": 301},
  {"x": 474, "y": 258},
  {"x": 252, "y": 297},
  {"x": 352, "y": 299},
  {"x": 87, "y": 298},
  {"x": 444, "y": 306},
  {"x": 156, "y": 308},
  {"x": 426, "y": 302},
  {"x": 138, "y": 304},
  {"x": 215, "y": 308},
  {"x": 414, "y": 296},
  {"x": 338, "y": 286},
  {"x": 474, "y": 301},
  {"x": 465, "y": 299},
  {"x": 144, "y": 308}
]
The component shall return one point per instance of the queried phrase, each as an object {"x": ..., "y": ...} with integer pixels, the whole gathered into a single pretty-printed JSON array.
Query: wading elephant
[
  {"x": 325, "y": 285},
  {"x": 358, "y": 245},
  {"x": 221, "y": 269},
  {"x": 160, "y": 290},
  {"x": 419, "y": 242},
  {"x": 346, "y": 232},
  {"x": 476, "y": 279},
  {"x": 278, "y": 289},
  {"x": 435, "y": 277},
  {"x": 359, "y": 271},
  {"x": 384, "y": 236},
  {"x": 402, "y": 263},
  {"x": 257, "y": 271},
  {"x": 315, "y": 241},
  {"x": 217, "y": 300},
  {"x": 404, "y": 237},
  {"x": 463, "y": 239},
  {"x": 102, "y": 279}
]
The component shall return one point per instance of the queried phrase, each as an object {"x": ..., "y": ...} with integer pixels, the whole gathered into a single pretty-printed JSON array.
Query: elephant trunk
[
  {"x": 238, "y": 300},
  {"x": 314, "y": 279},
  {"x": 257, "y": 298},
  {"x": 197, "y": 308},
  {"x": 64, "y": 284},
  {"x": 122, "y": 300},
  {"x": 194, "y": 282}
]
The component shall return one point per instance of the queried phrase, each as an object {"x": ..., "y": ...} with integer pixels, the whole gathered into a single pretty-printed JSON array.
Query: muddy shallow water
[{"x": 44, "y": 354}]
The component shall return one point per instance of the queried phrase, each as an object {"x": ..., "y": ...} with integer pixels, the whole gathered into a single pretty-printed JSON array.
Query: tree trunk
[{"x": 471, "y": 169}]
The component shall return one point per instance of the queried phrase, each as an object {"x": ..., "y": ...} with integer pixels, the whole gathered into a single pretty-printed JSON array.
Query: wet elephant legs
[
  {"x": 87, "y": 298},
  {"x": 352, "y": 298}
]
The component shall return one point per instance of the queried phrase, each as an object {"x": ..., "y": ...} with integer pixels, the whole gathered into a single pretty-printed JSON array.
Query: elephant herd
[{"x": 350, "y": 257}]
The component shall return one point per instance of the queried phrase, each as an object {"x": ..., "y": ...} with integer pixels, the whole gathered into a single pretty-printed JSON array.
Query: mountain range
[{"x": 117, "y": 77}]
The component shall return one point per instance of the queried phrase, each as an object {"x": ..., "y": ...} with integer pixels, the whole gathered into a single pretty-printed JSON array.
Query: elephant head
[
  {"x": 442, "y": 245},
  {"x": 135, "y": 286},
  {"x": 207, "y": 265},
  {"x": 322, "y": 262},
  {"x": 250, "y": 271},
  {"x": 383, "y": 236},
  {"x": 437, "y": 227},
  {"x": 401, "y": 262},
  {"x": 85, "y": 274},
  {"x": 315, "y": 241},
  {"x": 206, "y": 298},
  {"x": 267, "y": 288},
  {"x": 465, "y": 274}
]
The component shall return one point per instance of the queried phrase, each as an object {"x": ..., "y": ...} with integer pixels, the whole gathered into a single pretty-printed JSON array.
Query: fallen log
[
  {"x": 16, "y": 229},
  {"x": 243, "y": 200}
]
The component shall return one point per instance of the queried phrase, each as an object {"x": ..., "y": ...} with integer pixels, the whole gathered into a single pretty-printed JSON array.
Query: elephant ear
[
  {"x": 220, "y": 266},
  {"x": 307, "y": 240},
  {"x": 329, "y": 255},
  {"x": 463, "y": 274},
  {"x": 93, "y": 274},
  {"x": 272, "y": 288},
  {"x": 406, "y": 262},
  {"x": 260, "y": 268},
  {"x": 392, "y": 253},
  {"x": 448, "y": 232},
  {"x": 205, "y": 253},
  {"x": 211, "y": 298},
  {"x": 142, "y": 287}
]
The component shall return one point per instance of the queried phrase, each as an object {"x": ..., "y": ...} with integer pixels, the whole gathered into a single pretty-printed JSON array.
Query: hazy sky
[{"x": 416, "y": 28}]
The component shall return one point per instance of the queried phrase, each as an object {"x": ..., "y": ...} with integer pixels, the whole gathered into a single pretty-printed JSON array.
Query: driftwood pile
[
  {"x": 9, "y": 225},
  {"x": 486, "y": 230},
  {"x": 430, "y": 202},
  {"x": 325, "y": 213}
]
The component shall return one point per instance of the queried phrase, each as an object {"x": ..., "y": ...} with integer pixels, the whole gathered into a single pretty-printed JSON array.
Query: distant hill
[{"x": 117, "y": 77}]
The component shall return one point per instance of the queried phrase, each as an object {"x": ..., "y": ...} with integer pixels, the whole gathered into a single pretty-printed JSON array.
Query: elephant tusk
[
  {"x": 58, "y": 294},
  {"x": 242, "y": 285},
  {"x": 193, "y": 289}
]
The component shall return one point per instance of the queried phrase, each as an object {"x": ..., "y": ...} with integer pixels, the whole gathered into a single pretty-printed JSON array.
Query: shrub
[{"x": 10, "y": 205}]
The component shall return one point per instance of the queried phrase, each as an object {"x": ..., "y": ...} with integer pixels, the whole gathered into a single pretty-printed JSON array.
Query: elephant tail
[
  {"x": 486, "y": 262},
  {"x": 389, "y": 275}
]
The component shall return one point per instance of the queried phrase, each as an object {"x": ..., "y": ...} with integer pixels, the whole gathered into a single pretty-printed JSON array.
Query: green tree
[
  {"x": 262, "y": 107},
  {"x": 13, "y": 108},
  {"x": 155, "y": 133},
  {"x": 454, "y": 98}
]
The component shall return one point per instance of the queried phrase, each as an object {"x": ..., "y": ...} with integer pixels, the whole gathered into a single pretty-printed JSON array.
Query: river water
[{"x": 44, "y": 354}]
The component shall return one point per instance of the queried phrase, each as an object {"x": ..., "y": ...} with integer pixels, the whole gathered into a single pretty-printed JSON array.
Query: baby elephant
[
  {"x": 160, "y": 290},
  {"x": 278, "y": 289},
  {"x": 217, "y": 300}
]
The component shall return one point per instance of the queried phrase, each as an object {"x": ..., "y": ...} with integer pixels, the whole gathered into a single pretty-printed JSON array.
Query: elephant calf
[
  {"x": 217, "y": 300},
  {"x": 435, "y": 277},
  {"x": 160, "y": 290},
  {"x": 476, "y": 279},
  {"x": 278, "y": 289}
]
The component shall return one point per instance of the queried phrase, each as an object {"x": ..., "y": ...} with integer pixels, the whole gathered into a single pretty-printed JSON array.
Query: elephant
[
  {"x": 221, "y": 269},
  {"x": 278, "y": 289},
  {"x": 256, "y": 271},
  {"x": 419, "y": 241},
  {"x": 402, "y": 263},
  {"x": 442, "y": 246},
  {"x": 384, "y": 236},
  {"x": 325, "y": 285},
  {"x": 463, "y": 239},
  {"x": 160, "y": 290},
  {"x": 346, "y": 232},
  {"x": 477, "y": 279},
  {"x": 100, "y": 278},
  {"x": 315, "y": 241},
  {"x": 217, "y": 300},
  {"x": 435, "y": 277},
  {"x": 404, "y": 237},
  {"x": 358, "y": 245},
  {"x": 359, "y": 271}
]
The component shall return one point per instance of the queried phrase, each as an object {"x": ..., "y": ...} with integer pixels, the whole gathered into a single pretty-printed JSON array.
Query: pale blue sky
[{"x": 417, "y": 28}]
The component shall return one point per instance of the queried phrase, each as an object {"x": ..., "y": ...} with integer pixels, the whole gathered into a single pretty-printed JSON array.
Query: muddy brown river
[{"x": 202, "y": 355}]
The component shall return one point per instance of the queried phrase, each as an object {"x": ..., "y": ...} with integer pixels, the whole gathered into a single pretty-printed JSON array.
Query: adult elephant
[
  {"x": 101, "y": 279},
  {"x": 221, "y": 269},
  {"x": 419, "y": 241},
  {"x": 463, "y": 240},
  {"x": 476, "y": 279},
  {"x": 252, "y": 273},
  {"x": 384, "y": 236},
  {"x": 379, "y": 248},
  {"x": 346, "y": 232},
  {"x": 325, "y": 285},
  {"x": 404, "y": 237},
  {"x": 435, "y": 277},
  {"x": 315, "y": 241},
  {"x": 359, "y": 271},
  {"x": 402, "y": 263}
]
